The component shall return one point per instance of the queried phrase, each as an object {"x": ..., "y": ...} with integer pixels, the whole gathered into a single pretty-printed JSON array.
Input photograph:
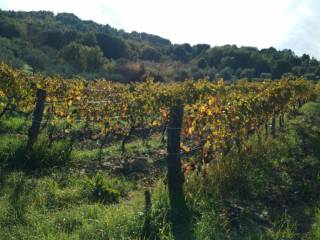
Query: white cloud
[
  {"x": 260, "y": 23},
  {"x": 304, "y": 37}
]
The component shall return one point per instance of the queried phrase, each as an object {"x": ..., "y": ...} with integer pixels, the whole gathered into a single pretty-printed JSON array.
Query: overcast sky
[{"x": 293, "y": 24}]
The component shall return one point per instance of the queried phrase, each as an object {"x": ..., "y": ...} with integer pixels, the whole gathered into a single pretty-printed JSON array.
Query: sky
[{"x": 291, "y": 24}]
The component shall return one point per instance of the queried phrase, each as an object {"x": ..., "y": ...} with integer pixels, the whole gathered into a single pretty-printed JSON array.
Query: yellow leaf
[
  {"x": 202, "y": 108},
  {"x": 70, "y": 119},
  {"x": 206, "y": 146},
  {"x": 211, "y": 101},
  {"x": 155, "y": 123},
  {"x": 69, "y": 103},
  {"x": 39, "y": 86},
  {"x": 184, "y": 147},
  {"x": 221, "y": 82}
]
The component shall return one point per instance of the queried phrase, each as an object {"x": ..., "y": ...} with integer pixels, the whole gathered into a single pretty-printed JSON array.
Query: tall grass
[{"x": 60, "y": 206}]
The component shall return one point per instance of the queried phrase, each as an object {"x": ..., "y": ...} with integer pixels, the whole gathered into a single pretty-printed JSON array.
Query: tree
[
  {"x": 151, "y": 54},
  {"x": 89, "y": 39},
  {"x": 280, "y": 67},
  {"x": 8, "y": 29},
  {"x": 182, "y": 52},
  {"x": 200, "y": 49},
  {"x": 68, "y": 18},
  {"x": 305, "y": 59},
  {"x": 112, "y": 47},
  {"x": 214, "y": 56},
  {"x": 36, "y": 58},
  {"x": 248, "y": 73},
  {"x": 226, "y": 73},
  {"x": 82, "y": 57},
  {"x": 54, "y": 38},
  {"x": 202, "y": 63}
]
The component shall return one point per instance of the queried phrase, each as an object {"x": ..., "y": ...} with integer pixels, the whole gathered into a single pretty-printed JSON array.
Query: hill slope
[{"x": 64, "y": 44}]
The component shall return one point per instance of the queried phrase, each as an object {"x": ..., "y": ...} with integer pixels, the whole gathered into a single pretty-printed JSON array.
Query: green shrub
[
  {"x": 104, "y": 189},
  {"x": 46, "y": 155}
]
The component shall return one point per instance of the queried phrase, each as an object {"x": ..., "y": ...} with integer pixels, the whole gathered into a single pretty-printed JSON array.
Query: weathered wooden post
[
  {"x": 175, "y": 177},
  {"x": 266, "y": 127},
  {"x": 36, "y": 120},
  {"x": 147, "y": 227},
  {"x": 273, "y": 126},
  {"x": 282, "y": 122}
]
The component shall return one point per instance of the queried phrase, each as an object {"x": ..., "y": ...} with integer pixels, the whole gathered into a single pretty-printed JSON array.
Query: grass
[
  {"x": 60, "y": 206},
  {"x": 133, "y": 148},
  {"x": 14, "y": 124},
  {"x": 315, "y": 230}
]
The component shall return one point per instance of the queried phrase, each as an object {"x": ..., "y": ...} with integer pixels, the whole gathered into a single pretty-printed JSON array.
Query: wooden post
[
  {"x": 273, "y": 127},
  {"x": 259, "y": 136},
  {"x": 281, "y": 122},
  {"x": 103, "y": 142},
  {"x": 266, "y": 127},
  {"x": 175, "y": 177},
  {"x": 36, "y": 120},
  {"x": 147, "y": 227},
  {"x": 238, "y": 145}
]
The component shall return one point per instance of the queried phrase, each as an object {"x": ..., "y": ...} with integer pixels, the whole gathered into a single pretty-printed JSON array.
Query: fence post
[
  {"x": 273, "y": 126},
  {"x": 147, "y": 226},
  {"x": 281, "y": 123},
  {"x": 175, "y": 177},
  {"x": 266, "y": 127},
  {"x": 36, "y": 119}
]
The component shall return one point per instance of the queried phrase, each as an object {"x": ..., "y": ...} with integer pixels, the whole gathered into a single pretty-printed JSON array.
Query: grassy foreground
[{"x": 270, "y": 192}]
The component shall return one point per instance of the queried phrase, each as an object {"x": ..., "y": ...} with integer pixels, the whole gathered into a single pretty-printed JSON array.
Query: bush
[
  {"x": 105, "y": 189},
  {"x": 46, "y": 155}
]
